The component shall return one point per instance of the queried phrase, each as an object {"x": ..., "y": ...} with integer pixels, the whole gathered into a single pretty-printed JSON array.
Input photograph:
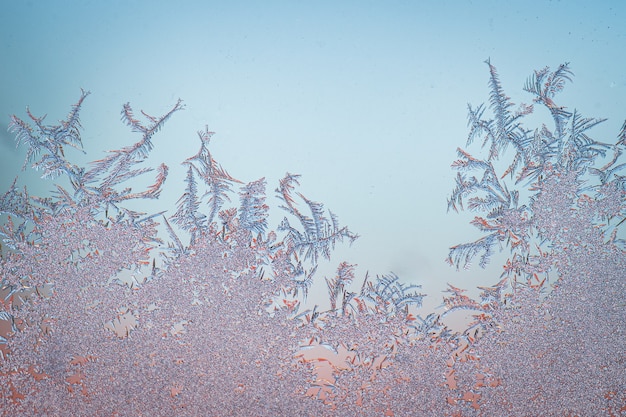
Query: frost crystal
[{"x": 101, "y": 316}]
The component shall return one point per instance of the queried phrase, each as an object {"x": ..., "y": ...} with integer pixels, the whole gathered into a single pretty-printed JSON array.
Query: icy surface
[{"x": 203, "y": 310}]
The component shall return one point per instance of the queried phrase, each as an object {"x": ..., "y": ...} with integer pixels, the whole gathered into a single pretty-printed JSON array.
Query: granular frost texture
[{"x": 203, "y": 309}]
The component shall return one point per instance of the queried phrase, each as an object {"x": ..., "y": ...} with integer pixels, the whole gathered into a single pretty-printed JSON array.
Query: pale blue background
[{"x": 367, "y": 100}]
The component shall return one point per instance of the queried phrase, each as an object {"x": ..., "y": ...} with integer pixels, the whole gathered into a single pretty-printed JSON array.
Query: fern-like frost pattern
[{"x": 101, "y": 315}]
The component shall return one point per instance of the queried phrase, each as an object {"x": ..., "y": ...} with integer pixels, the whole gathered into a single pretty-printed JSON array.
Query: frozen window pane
[{"x": 205, "y": 310}]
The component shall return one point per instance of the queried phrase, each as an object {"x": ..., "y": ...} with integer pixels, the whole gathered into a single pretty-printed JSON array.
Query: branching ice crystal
[
  {"x": 101, "y": 316},
  {"x": 320, "y": 235}
]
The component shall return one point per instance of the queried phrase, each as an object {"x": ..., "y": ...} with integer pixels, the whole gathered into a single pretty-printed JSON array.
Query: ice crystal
[
  {"x": 319, "y": 236},
  {"x": 101, "y": 316}
]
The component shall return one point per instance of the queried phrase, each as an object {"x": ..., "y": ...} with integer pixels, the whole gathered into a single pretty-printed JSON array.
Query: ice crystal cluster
[{"x": 106, "y": 311}]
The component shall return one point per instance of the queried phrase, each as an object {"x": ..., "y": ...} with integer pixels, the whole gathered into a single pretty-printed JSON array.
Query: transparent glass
[{"x": 154, "y": 267}]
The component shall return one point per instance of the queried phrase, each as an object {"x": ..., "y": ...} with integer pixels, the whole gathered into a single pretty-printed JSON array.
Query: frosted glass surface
[{"x": 396, "y": 209}]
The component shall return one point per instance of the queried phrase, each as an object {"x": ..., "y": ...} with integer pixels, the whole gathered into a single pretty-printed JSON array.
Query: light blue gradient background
[{"x": 366, "y": 100}]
